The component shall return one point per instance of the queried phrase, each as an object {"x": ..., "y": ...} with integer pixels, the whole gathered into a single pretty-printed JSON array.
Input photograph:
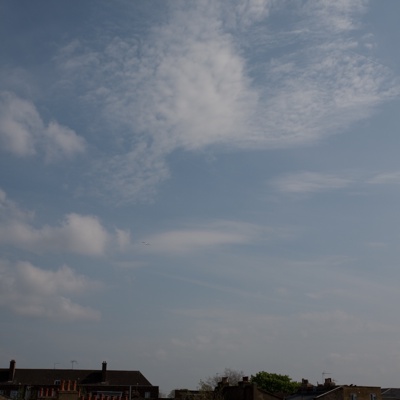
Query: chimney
[
  {"x": 244, "y": 381},
  {"x": 224, "y": 382},
  {"x": 104, "y": 372},
  {"x": 11, "y": 371}
]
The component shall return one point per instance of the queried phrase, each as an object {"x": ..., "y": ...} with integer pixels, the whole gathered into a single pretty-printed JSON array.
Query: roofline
[
  {"x": 70, "y": 369},
  {"x": 269, "y": 393},
  {"x": 329, "y": 391}
]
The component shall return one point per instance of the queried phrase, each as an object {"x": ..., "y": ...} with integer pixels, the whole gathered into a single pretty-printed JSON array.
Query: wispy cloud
[
  {"x": 310, "y": 182},
  {"x": 31, "y": 291},
  {"x": 343, "y": 322},
  {"x": 386, "y": 178},
  {"x": 207, "y": 236},
  {"x": 335, "y": 17},
  {"x": 23, "y": 132},
  {"x": 191, "y": 84},
  {"x": 217, "y": 329},
  {"x": 133, "y": 175}
]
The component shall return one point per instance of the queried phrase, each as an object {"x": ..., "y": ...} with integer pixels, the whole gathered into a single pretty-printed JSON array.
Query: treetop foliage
[
  {"x": 275, "y": 382},
  {"x": 271, "y": 382}
]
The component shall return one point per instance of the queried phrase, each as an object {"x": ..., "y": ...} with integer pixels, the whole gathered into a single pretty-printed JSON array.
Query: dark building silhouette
[{"x": 35, "y": 384}]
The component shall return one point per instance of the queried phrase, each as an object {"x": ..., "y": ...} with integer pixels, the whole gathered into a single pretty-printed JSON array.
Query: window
[
  {"x": 57, "y": 382},
  {"x": 372, "y": 396},
  {"x": 147, "y": 395},
  {"x": 353, "y": 396}
]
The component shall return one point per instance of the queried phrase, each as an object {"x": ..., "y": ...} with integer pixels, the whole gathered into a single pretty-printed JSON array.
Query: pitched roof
[
  {"x": 390, "y": 393},
  {"x": 82, "y": 376}
]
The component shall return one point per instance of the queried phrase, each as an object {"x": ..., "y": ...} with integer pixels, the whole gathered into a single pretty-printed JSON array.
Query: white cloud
[
  {"x": 315, "y": 182},
  {"x": 31, "y": 291},
  {"x": 208, "y": 236},
  {"x": 386, "y": 178},
  {"x": 81, "y": 234},
  {"x": 77, "y": 234},
  {"x": 182, "y": 241},
  {"x": 61, "y": 140},
  {"x": 23, "y": 132},
  {"x": 9, "y": 210},
  {"x": 18, "y": 118},
  {"x": 310, "y": 182},
  {"x": 193, "y": 83}
]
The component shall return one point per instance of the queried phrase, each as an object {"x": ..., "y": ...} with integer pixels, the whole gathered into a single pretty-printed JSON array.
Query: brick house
[
  {"x": 244, "y": 390},
  {"x": 330, "y": 391},
  {"x": 36, "y": 384},
  {"x": 352, "y": 392}
]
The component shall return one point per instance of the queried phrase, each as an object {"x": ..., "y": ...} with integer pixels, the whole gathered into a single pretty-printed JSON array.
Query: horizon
[{"x": 189, "y": 187}]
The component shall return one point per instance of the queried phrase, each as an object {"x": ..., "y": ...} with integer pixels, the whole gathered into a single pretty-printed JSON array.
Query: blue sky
[{"x": 190, "y": 186}]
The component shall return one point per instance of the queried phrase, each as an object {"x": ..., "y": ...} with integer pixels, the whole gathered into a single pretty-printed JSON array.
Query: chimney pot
[
  {"x": 11, "y": 371},
  {"x": 104, "y": 372}
]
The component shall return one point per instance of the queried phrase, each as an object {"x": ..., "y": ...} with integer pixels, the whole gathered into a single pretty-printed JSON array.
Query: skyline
[{"x": 186, "y": 188}]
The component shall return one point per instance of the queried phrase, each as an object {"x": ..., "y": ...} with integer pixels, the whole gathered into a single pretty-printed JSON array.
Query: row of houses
[
  {"x": 104, "y": 384},
  {"x": 74, "y": 384},
  {"x": 245, "y": 390}
]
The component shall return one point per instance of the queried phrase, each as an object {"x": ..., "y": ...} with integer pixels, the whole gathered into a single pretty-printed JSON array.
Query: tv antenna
[
  {"x": 323, "y": 375},
  {"x": 72, "y": 363}
]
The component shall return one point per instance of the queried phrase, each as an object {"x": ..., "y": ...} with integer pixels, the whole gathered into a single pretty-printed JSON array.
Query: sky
[{"x": 192, "y": 186}]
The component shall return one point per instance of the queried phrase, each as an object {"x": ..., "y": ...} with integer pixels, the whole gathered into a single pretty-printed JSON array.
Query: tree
[
  {"x": 211, "y": 382},
  {"x": 275, "y": 382}
]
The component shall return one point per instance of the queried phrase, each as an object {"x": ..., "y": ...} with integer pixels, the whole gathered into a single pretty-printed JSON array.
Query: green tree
[{"x": 275, "y": 382}]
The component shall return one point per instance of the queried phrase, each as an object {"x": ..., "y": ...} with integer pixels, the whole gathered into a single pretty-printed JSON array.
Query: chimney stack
[
  {"x": 224, "y": 382},
  {"x": 104, "y": 372},
  {"x": 244, "y": 381},
  {"x": 11, "y": 371}
]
